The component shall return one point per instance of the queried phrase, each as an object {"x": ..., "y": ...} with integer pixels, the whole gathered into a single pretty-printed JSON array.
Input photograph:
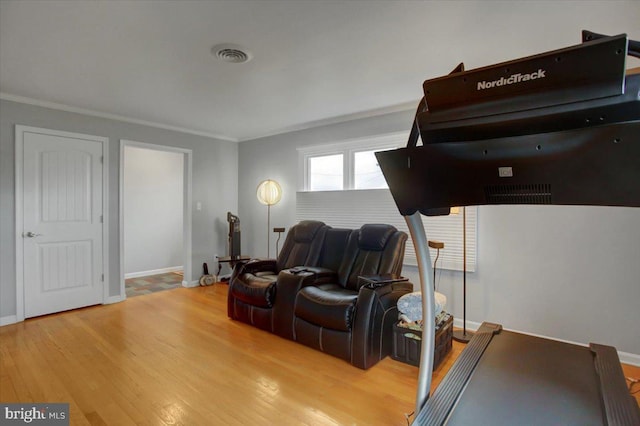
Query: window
[
  {"x": 342, "y": 185},
  {"x": 366, "y": 171},
  {"x": 347, "y": 165},
  {"x": 326, "y": 173}
]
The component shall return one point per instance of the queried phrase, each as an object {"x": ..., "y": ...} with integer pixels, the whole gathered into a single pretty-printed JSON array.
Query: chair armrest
[
  {"x": 376, "y": 312},
  {"x": 389, "y": 292},
  {"x": 320, "y": 275},
  {"x": 380, "y": 280},
  {"x": 289, "y": 283},
  {"x": 292, "y": 282},
  {"x": 256, "y": 265}
]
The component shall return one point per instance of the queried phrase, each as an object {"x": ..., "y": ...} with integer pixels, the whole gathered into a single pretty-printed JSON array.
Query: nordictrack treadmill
[{"x": 559, "y": 128}]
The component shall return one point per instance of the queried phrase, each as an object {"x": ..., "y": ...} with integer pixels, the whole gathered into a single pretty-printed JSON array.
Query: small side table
[
  {"x": 231, "y": 260},
  {"x": 381, "y": 279}
]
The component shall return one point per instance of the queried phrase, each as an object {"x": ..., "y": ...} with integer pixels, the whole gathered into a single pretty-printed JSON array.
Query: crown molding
[
  {"x": 85, "y": 111},
  {"x": 406, "y": 106},
  {"x": 298, "y": 127}
]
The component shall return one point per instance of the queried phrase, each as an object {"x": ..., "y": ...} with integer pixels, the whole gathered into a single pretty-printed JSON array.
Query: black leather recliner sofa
[
  {"x": 252, "y": 286},
  {"x": 322, "y": 302}
]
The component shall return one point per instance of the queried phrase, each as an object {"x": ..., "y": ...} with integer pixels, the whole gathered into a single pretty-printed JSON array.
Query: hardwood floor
[{"x": 175, "y": 358}]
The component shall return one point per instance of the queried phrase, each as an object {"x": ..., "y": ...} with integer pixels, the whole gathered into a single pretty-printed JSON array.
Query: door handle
[{"x": 31, "y": 234}]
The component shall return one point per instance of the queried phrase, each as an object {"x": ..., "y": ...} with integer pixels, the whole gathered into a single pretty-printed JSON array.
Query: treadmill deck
[{"x": 526, "y": 380}]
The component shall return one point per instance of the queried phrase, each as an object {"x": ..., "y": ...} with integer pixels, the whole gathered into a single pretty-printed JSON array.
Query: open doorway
[{"x": 155, "y": 213}]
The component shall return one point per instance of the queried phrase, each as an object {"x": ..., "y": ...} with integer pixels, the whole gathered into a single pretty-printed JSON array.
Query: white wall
[
  {"x": 570, "y": 273},
  {"x": 153, "y": 203}
]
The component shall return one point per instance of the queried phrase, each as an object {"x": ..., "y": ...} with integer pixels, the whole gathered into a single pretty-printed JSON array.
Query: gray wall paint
[
  {"x": 564, "y": 272},
  {"x": 153, "y": 200},
  {"x": 276, "y": 158},
  {"x": 570, "y": 273},
  {"x": 214, "y": 185}
]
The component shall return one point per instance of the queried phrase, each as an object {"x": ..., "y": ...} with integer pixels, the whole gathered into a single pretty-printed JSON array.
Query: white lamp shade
[{"x": 269, "y": 192}]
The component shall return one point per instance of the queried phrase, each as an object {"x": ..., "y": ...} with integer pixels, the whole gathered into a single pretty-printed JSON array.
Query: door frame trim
[
  {"x": 187, "y": 217},
  {"x": 20, "y": 130}
]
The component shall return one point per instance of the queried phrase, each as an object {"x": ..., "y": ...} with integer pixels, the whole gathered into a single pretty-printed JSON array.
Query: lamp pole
[
  {"x": 465, "y": 335},
  {"x": 268, "y": 227}
]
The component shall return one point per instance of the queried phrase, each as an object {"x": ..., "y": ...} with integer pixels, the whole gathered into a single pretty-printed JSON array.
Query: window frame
[{"x": 348, "y": 149}]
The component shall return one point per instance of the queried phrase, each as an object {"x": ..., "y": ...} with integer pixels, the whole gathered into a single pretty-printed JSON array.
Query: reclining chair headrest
[
  {"x": 305, "y": 231},
  {"x": 374, "y": 237}
]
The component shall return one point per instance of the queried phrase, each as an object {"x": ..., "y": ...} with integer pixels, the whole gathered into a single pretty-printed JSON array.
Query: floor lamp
[
  {"x": 269, "y": 193},
  {"x": 463, "y": 335}
]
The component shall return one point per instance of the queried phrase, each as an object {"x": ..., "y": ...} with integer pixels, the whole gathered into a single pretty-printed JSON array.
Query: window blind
[{"x": 354, "y": 208}]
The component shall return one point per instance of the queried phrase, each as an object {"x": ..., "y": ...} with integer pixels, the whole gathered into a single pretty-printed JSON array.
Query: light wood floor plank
[{"x": 174, "y": 358}]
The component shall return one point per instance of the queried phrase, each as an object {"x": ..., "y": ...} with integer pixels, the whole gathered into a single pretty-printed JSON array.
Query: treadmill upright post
[{"x": 416, "y": 229}]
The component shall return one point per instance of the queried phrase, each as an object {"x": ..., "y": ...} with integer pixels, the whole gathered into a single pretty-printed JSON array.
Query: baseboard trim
[
  {"x": 9, "y": 319},
  {"x": 190, "y": 284},
  {"x": 471, "y": 325},
  {"x": 114, "y": 299},
  {"x": 153, "y": 272},
  {"x": 625, "y": 357}
]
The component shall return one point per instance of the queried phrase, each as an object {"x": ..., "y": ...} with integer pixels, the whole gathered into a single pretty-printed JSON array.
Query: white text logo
[
  {"x": 25, "y": 415},
  {"x": 512, "y": 79}
]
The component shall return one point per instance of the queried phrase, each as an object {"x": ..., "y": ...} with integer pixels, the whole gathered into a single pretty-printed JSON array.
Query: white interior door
[{"x": 62, "y": 222}]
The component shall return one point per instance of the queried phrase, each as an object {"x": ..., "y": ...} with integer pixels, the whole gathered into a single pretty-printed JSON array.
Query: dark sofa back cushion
[
  {"x": 303, "y": 245},
  {"x": 334, "y": 247},
  {"x": 375, "y": 237},
  {"x": 373, "y": 249}
]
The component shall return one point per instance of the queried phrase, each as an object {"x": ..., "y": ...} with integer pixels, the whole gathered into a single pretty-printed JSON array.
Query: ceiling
[{"x": 314, "y": 62}]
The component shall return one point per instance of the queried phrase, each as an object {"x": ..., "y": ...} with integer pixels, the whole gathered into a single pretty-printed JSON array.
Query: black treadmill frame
[{"x": 509, "y": 120}]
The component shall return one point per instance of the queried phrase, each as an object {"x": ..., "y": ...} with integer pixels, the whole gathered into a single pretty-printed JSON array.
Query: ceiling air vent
[
  {"x": 231, "y": 53},
  {"x": 518, "y": 194}
]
